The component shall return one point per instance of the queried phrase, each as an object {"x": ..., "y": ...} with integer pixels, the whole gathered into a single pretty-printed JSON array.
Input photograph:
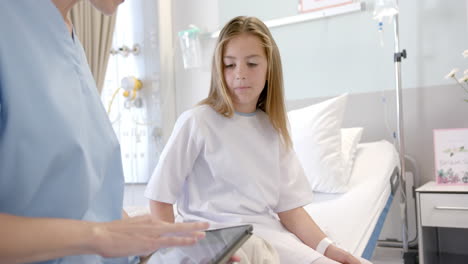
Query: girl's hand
[{"x": 341, "y": 256}]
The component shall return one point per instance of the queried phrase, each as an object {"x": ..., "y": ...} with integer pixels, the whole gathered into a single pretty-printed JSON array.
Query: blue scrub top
[{"x": 59, "y": 156}]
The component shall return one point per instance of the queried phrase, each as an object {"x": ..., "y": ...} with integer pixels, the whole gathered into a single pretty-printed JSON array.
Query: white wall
[{"x": 339, "y": 54}]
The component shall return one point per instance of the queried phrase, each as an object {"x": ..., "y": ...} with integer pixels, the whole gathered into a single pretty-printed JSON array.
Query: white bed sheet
[{"x": 349, "y": 219}]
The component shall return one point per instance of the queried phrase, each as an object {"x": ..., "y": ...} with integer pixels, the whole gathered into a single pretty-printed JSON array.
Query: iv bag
[{"x": 385, "y": 8}]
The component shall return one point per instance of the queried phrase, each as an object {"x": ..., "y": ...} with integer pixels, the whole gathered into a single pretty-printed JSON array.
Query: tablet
[{"x": 216, "y": 248}]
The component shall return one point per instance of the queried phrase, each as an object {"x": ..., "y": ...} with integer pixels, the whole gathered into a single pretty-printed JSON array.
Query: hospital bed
[{"x": 354, "y": 219}]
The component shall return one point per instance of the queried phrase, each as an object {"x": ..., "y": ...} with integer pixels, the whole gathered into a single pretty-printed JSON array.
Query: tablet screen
[{"x": 210, "y": 249}]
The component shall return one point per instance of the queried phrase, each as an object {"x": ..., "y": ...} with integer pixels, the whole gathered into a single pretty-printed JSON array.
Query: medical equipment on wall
[
  {"x": 125, "y": 50},
  {"x": 131, "y": 87},
  {"x": 382, "y": 9},
  {"x": 132, "y": 99},
  {"x": 190, "y": 46}
]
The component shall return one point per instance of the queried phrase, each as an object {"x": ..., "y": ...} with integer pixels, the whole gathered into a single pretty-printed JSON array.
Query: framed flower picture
[{"x": 451, "y": 156}]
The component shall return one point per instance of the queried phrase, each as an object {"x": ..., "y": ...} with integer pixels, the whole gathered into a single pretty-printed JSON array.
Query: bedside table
[{"x": 442, "y": 223}]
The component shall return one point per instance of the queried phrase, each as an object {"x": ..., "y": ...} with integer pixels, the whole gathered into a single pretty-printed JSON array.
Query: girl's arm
[
  {"x": 298, "y": 222},
  {"x": 25, "y": 239},
  {"x": 162, "y": 211}
]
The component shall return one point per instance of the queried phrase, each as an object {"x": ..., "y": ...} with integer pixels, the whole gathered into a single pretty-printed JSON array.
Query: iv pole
[
  {"x": 408, "y": 257},
  {"x": 400, "y": 133},
  {"x": 383, "y": 9}
]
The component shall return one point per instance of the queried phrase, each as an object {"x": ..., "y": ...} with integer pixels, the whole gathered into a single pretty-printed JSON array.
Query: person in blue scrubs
[{"x": 61, "y": 178}]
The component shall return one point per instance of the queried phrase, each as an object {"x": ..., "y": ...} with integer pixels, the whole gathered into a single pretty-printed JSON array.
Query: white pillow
[
  {"x": 316, "y": 135},
  {"x": 350, "y": 138}
]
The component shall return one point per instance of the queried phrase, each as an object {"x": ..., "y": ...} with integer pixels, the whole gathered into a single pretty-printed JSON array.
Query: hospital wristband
[{"x": 323, "y": 245}]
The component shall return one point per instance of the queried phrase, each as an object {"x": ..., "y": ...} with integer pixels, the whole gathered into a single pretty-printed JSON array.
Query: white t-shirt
[{"x": 230, "y": 171}]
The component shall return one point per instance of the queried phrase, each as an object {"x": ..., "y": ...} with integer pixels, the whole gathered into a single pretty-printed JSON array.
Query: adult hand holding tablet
[{"x": 216, "y": 248}]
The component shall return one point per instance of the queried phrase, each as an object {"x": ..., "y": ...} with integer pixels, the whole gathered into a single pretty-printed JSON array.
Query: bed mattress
[{"x": 354, "y": 218}]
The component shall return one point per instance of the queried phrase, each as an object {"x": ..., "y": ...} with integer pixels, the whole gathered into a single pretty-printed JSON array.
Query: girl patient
[{"x": 230, "y": 159}]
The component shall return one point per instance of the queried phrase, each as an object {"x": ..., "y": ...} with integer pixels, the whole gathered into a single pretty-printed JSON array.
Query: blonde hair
[{"x": 271, "y": 100}]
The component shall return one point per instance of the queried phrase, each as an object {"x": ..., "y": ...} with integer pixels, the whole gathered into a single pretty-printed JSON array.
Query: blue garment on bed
[{"x": 59, "y": 156}]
